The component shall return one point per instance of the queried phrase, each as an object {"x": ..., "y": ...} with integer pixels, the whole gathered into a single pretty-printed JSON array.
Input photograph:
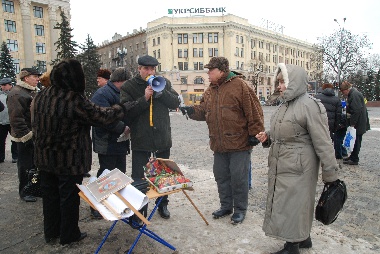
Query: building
[
  {"x": 28, "y": 30},
  {"x": 183, "y": 45}
]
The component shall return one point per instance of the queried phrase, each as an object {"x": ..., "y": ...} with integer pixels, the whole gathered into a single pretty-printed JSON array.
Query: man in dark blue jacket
[{"x": 111, "y": 153}]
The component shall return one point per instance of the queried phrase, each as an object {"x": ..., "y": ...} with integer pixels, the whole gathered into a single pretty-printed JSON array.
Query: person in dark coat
[
  {"x": 111, "y": 153},
  {"x": 19, "y": 102},
  {"x": 357, "y": 117},
  {"x": 61, "y": 118},
  {"x": 333, "y": 107},
  {"x": 150, "y": 121}
]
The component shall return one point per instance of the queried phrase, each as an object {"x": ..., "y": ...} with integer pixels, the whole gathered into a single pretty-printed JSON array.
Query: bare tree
[{"x": 342, "y": 46}]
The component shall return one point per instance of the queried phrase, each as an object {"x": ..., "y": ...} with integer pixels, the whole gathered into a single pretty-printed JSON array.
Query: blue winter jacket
[{"x": 105, "y": 139}]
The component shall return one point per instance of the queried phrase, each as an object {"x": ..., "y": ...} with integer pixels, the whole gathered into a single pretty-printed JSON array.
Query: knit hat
[
  {"x": 220, "y": 63},
  {"x": 120, "y": 74},
  {"x": 104, "y": 73},
  {"x": 5, "y": 81},
  {"x": 28, "y": 71}
]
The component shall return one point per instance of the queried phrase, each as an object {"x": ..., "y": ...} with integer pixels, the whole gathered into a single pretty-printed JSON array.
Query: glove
[
  {"x": 253, "y": 141},
  {"x": 187, "y": 110}
]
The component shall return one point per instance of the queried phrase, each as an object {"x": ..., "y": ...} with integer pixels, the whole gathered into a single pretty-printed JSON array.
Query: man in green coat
[{"x": 150, "y": 121}]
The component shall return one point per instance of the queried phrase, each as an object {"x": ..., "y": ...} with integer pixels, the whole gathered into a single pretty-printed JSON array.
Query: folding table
[{"x": 151, "y": 194}]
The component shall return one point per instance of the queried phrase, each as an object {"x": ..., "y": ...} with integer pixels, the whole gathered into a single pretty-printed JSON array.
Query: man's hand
[
  {"x": 262, "y": 137},
  {"x": 187, "y": 110},
  {"x": 253, "y": 141},
  {"x": 127, "y": 131},
  {"x": 148, "y": 92}
]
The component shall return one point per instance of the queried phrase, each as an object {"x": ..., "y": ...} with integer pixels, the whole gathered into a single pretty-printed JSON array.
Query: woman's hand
[{"x": 262, "y": 137}]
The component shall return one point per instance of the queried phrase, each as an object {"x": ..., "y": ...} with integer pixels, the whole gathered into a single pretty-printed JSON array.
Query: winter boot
[{"x": 289, "y": 248}]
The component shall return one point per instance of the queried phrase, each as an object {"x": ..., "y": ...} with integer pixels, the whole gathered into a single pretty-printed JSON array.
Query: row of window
[
  {"x": 197, "y": 38},
  {"x": 13, "y": 46},
  {"x": 197, "y": 81},
  {"x": 8, "y": 6},
  {"x": 10, "y": 26}
]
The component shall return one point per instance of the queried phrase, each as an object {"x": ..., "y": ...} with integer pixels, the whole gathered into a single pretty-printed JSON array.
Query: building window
[
  {"x": 41, "y": 65},
  {"x": 198, "y": 38},
  {"x": 253, "y": 43},
  {"x": 253, "y": 54},
  {"x": 38, "y": 12},
  {"x": 212, "y": 37},
  {"x": 199, "y": 80},
  {"x": 236, "y": 51},
  {"x": 195, "y": 52},
  {"x": 212, "y": 52},
  {"x": 40, "y": 48},
  {"x": 179, "y": 53},
  {"x": 10, "y": 26},
  {"x": 183, "y": 80},
  {"x": 261, "y": 44},
  {"x": 183, "y": 66},
  {"x": 241, "y": 39},
  {"x": 200, "y": 52},
  {"x": 183, "y": 38},
  {"x": 185, "y": 53},
  {"x": 158, "y": 54},
  {"x": 154, "y": 42},
  {"x": 8, "y": 6},
  {"x": 144, "y": 44},
  {"x": 242, "y": 52},
  {"x": 12, "y": 45},
  {"x": 16, "y": 63},
  {"x": 237, "y": 38},
  {"x": 39, "y": 30},
  {"x": 198, "y": 66},
  {"x": 154, "y": 54},
  {"x": 158, "y": 40}
]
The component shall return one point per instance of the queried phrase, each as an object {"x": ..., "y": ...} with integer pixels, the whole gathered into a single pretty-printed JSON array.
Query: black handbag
[
  {"x": 33, "y": 187},
  {"x": 331, "y": 202}
]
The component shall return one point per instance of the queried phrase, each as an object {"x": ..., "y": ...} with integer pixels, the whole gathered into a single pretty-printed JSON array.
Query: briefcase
[{"x": 331, "y": 202}]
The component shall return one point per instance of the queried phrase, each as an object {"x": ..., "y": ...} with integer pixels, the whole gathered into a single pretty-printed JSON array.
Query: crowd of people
[{"x": 51, "y": 131}]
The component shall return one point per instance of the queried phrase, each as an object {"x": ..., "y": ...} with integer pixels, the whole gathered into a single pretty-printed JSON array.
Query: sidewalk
[{"x": 355, "y": 231}]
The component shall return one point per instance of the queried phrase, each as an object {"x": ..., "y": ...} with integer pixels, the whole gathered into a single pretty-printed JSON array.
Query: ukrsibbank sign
[{"x": 197, "y": 10}]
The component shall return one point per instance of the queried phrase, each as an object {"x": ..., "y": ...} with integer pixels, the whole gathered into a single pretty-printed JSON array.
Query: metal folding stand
[{"x": 143, "y": 230}]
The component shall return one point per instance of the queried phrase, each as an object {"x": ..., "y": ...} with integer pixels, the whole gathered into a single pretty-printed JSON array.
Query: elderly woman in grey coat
[{"x": 299, "y": 143}]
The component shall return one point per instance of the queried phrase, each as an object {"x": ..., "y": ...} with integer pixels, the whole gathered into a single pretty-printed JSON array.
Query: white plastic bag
[{"x": 349, "y": 139}]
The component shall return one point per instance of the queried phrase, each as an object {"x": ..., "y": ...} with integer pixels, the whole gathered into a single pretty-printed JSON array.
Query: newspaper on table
[{"x": 119, "y": 209}]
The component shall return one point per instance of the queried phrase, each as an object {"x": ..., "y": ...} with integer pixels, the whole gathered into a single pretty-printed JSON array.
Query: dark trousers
[
  {"x": 354, "y": 156},
  {"x": 25, "y": 162},
  {"x": 140, "y": 159},
  {"x": 340, "y": 151},
  {"x": 231, "y": 171},
  {"x": 111, "y": 162},
  {"x": 4, "y": 130},
  {"x": 61, "y": 201}
]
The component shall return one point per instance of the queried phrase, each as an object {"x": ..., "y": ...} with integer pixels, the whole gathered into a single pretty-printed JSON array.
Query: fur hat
[
  {"x": 327, "y": 85},
  {"x": 345, "y": 86},
  {"x": 45, "y": 79},
  {"x": 147, "y": 61},
  {"x": 68, "y": 74},
  {"x": 28, "y": 71},
  {"x": 120, "y": 74},
  {"x": 220, "y": 63},
  {"x": 104, "y": 73}
]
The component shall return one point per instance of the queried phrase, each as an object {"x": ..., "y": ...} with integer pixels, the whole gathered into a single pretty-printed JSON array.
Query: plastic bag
[{"x": 349, "y": 139}]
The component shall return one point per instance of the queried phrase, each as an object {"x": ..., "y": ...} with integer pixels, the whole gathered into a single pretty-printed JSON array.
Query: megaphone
[{"x": 156, "y": 82}]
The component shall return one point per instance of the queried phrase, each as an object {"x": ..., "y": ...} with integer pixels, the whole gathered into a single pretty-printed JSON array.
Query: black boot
[
  {"x": 164, "y": 212},
  {"x": 289, "y": 248},
  {"x": 95, "y": 214},
  {"x": 306, "y": 244}
]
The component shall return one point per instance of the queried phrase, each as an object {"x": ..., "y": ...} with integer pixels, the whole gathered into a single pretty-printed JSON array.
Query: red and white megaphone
[{"x": 157, "y": 83}]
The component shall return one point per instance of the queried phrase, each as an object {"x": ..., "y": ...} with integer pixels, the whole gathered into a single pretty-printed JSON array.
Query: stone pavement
[{"x": 356, "y": 230}]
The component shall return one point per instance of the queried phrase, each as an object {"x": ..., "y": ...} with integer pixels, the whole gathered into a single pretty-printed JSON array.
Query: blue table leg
[{"x": 105, "y": 237}]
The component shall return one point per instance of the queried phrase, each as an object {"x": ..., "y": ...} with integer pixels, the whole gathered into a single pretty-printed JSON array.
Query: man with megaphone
[{"x": 150, "y": 121}]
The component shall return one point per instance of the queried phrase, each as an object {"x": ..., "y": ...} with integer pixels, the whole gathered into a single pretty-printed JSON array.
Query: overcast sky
[{"x": 302, "y": 19}]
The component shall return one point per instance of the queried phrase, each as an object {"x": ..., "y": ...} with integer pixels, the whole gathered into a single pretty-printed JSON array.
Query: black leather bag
[
  {"x": 331, "y": 202},
  {"x": 33, "y": 187}
]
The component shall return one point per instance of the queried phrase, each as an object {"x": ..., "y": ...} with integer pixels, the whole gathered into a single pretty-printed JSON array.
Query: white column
[{"x": 27, "y": 33}]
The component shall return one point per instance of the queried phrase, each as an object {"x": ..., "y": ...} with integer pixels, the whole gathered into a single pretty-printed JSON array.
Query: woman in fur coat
[{"x": 61, "y": 120}]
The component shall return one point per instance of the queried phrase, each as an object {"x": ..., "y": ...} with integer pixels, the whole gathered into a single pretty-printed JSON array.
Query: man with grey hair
[
  {"x": 18, "y": 102},
  {"x": 111, "y": 153}
]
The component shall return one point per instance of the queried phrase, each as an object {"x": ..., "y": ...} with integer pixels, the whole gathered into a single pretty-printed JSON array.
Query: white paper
[
  {"x": 123, "y": 137},
  {"x": 135, "y": 197}
]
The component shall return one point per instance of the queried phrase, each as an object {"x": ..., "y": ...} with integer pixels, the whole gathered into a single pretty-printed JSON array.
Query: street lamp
[
  {"x": 340, "y": 47},
  {"x": 121, "y": 53}
]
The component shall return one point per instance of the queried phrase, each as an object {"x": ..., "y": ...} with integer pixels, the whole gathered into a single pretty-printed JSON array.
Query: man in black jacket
[{"x": 150, "y": 121}]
